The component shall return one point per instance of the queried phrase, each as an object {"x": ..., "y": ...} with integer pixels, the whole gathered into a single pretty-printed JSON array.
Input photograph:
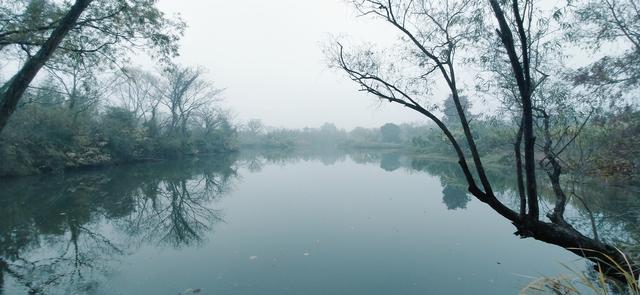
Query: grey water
[{"x": 364, "y": 223}]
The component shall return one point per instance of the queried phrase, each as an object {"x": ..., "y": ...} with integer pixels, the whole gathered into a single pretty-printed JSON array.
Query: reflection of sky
[
  {"x": 366, "y": 231},
  {"x": 326, "y": 223}
]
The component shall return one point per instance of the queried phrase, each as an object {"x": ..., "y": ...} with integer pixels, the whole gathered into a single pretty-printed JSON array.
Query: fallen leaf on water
[{"x": 191, "y": 291}]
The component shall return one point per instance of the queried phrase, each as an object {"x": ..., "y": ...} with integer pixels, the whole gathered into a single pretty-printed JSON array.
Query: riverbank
[
  {"x": 501, "y": 159},
  {"x": 52, "y": 139},
  {"x": 49, "y": 161}
]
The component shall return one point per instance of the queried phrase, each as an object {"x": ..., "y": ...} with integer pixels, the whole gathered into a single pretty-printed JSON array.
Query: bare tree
[
  {"x": 185, "y": 92},
  {"x": 138, "y": 93},
  {"x": 80, "y": 84},
  {"x": 255, "y": 127},
  {"x": 435, "y": 31}
]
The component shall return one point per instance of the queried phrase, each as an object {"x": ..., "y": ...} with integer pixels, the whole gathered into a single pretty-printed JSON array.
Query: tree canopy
[{"x": 78, "y": 38}]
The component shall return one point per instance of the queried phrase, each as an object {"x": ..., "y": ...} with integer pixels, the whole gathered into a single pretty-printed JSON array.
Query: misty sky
[{"x": 268, "y": 54}]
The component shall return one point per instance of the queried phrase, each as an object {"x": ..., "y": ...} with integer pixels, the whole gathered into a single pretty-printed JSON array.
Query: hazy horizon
[{"x": 269, "y": 58}]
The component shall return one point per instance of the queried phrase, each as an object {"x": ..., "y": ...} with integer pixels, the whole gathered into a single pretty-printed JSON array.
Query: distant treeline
[
  {"x": 607, "y": 145},
  {"x": 390, "y": 136}
]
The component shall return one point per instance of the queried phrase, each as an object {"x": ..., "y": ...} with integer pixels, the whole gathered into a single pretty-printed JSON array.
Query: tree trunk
[
  {"x": 523, "y": 80},
  {"x": 3, "y": 266},
  {"x": 558, "y": 232},
  {"x": 13, "y": 90},
  {"x": 527, "y": 220},
  {"x": 610, "y": 260},
  {"x": 183, "y": 133},
  {"x": 517, "y": 146}
]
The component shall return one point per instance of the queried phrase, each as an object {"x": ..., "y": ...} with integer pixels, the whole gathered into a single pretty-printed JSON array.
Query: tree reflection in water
[
  {"x": 390, "y": 162},
  {"x": 177, "y": 212},
  {"x": 613, "y": 208},
  {"x": 455, "y": 197},
  {"x": 61, "y": 234},
  {"x": 65, "y": 231}
]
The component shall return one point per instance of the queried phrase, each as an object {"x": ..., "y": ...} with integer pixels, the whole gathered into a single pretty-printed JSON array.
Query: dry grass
[{"x": 587, "y": 283}]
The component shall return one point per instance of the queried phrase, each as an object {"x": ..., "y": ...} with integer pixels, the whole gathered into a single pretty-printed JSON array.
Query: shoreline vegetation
[
  {"x": 132, "y": 117},
  {"x": 604, "y": 150},
  {"x": 113, "y": 138},
  {"x": 549, "y": 126}
]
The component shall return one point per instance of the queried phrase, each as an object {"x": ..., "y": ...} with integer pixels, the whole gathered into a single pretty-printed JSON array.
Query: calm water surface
[{"x": 258, "y": 225}]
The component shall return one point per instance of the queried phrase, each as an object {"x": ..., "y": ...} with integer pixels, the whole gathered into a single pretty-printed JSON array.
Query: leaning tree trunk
[
  {"x": 527, "y": 220},
  {"x": 609, "y": 259},
  {"x": 3, "y": 266},
  {"x": 12, "y": 91},
  {"x": 558, "y": 231}
]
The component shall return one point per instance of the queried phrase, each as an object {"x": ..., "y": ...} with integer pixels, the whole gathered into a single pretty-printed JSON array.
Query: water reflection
[
  {"x": 63, "y": 231},
  {"x": 612, "y": 209},
  {"x": 455, "y": 197},
  {"x": 390, "y": 162},
  {"x": 62, "y": 234}
]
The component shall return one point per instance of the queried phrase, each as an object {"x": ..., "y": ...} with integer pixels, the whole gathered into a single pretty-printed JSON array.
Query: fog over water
[
  {"x": 258, "y": 224},
  {"x": 319, "y": 147}
]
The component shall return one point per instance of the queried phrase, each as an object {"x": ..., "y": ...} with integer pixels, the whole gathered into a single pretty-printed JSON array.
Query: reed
[{"x": 608, "y": 278}]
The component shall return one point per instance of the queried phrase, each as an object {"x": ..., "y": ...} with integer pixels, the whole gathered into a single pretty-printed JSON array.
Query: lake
[{"x": 281, "y": 223}]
